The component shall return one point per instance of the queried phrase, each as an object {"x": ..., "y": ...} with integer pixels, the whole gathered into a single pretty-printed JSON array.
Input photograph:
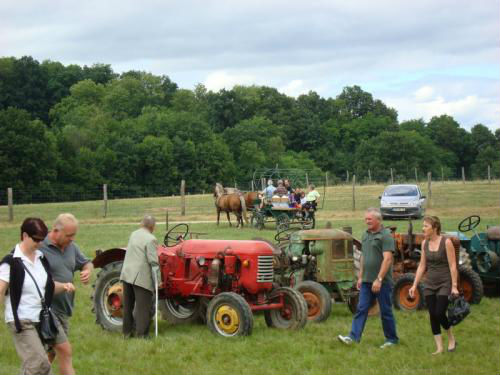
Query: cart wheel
[
  {"x": 282, "y": 222},
  {"x": 257, "y": 220}
]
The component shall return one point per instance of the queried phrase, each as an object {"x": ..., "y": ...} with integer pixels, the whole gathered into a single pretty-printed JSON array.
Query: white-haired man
[
  {"x": 139, "y": 266},
  {"x": 375, "y": 280},
  {"x": 65, "y": 257}
]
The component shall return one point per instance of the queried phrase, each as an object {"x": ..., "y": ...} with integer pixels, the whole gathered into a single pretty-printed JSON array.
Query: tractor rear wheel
[
  {"x": 180, "y": 310},
  {"x": 228, "y": 314},
  {"x": 319, "y": 301},
  {"x": 470, "y": 285},
  {"x": 293, "y": 315},
  {"x": 401, "y": 295},
  {"x": 108, "y": 297}
]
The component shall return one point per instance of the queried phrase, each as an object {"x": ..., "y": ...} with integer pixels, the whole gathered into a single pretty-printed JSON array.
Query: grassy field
[{"x": 192, "y": 349}]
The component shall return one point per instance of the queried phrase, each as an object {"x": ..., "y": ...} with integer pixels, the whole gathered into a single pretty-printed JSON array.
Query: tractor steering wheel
[
  {"x": 284, "y": 235},
  {"x": 177, "y": 239},
  {"x": 469, "y": 223}
]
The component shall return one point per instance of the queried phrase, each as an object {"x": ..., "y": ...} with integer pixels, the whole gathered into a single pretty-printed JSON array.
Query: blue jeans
[{"x": 366, "y": 298}]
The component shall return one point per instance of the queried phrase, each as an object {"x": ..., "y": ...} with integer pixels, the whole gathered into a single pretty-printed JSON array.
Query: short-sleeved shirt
[
  {"x": 374, "y": 245},
  {"x": 269, "y": 191},
  {"x": 30, "y": 303},
  {"x": 312, "y": 196},
  {"x": 63, "y": 265}
]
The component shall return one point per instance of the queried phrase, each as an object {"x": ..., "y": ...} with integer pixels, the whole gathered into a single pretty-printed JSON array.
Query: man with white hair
[
  {"x": 65, "y": 257},
  {"x": 139, "y": 267},
  {"x": 375, "y": 280}
]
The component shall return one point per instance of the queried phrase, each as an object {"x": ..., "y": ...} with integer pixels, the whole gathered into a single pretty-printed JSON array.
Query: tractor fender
[{"x": 103, "y": 258}]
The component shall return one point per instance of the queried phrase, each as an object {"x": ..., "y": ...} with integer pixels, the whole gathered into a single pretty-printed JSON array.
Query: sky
[{"x": 423, "y": 58}]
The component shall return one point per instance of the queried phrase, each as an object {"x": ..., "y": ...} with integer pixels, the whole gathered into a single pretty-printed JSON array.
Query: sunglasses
[{"x": 37, "y": 239}]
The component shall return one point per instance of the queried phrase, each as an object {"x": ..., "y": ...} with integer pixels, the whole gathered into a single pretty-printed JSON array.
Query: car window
[{"x": 400, "y": 191}]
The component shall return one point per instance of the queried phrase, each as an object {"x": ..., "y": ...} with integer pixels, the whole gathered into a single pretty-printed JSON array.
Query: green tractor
[
  {"x": 318, "y": 263},
  {"x": 483, "y": 249}
]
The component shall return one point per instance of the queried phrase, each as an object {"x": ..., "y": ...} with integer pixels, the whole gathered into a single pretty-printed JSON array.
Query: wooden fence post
[
  {"x": 353, "y": 192},
  {"x": 263, "y": 183},
  {"x": 463, "y": 175},
  {"x": 253, "y": 187},
  {"x": 183, "y": 198},
  {"x": 416, "y": 176},
  {"x": 10, "y": 202},
  {"x": 326, "y": 179},
  {"x": 105, "y": 198},
  {"x": 347, "y": 178},
  {"x": 442, "y": 175},
  {"x": 166, "y": 220},
  {"x": 392, "y": 177},
  {"x": 307, "y": 179},
  {"x": 429, "y": 189},
  {"x": 369, "y": 176},
  {"x": 489, "y": 174}
]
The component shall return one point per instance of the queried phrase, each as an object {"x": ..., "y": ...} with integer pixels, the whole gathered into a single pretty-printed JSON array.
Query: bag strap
[{"x": 37, "y": 288}]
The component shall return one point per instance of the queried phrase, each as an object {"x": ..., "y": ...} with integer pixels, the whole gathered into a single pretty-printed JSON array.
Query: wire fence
[{"x": 107, "y": 202}]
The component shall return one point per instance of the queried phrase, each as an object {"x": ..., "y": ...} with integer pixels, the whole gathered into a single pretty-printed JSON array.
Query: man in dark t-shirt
[
  {"x": 375, "y": 280},
  {"x": 65, "y": 257}
]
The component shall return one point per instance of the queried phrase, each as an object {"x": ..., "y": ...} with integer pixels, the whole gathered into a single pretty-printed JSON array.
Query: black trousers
[
  {"x": 142, "y": 300},
  {"x": 437, "y": 306}
]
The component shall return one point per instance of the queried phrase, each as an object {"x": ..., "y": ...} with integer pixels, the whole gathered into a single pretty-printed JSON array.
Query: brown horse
[
  {"x": 250, "y": 198},
  {"x": 234, "y": 203}
]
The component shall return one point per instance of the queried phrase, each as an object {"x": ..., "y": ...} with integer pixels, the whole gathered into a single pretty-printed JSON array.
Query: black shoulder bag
[
  {"x": 458, "y": 309},
  {"x": 47, "y": 329}
]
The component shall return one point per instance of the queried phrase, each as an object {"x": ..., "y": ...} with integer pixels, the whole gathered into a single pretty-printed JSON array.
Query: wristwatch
[{"x": 379, "y": 279}]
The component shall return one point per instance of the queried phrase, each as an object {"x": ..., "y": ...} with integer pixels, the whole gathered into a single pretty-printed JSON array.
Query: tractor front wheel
[
  {"x": 228, "y": 315},
  {"x": 319, "y": 302},
  {"x": 401, "y": 295},
  {"x": 108, "y": 297},
  {"x": 293, "y": 314}
]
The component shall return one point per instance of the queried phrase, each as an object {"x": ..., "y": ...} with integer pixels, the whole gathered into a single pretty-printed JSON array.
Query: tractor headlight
[{"x": 295, "y": 258}]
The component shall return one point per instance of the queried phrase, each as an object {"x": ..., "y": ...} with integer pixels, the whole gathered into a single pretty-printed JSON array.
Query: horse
[
  {"x": 250, "y": 198},
  {"x": 234, "y": 203}
]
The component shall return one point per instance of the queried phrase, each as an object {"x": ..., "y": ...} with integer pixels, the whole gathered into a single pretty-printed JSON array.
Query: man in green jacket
[{"x": 139, "y": 267}]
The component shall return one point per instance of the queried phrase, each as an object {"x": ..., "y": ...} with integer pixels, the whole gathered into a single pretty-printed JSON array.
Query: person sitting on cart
[
  {"x": 312, "y": 199},
  {"x": 268, "y": 193},
  {"x": 281, "y": 189},
  {"x": 287, "y": 185}
]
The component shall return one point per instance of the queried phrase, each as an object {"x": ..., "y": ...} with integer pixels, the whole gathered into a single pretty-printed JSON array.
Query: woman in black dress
[{"x": 439, "y": 260}]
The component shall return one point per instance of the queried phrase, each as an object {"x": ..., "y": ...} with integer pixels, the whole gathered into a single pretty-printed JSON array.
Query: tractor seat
[{"x": 493, "y": 233}]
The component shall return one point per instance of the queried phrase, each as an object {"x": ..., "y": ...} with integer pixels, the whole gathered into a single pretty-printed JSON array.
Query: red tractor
[{"x": 220, "y": 282}]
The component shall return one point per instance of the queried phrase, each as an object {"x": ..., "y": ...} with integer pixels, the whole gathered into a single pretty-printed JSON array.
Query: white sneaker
[
  {"x": 347, "y": 340},
  {"x": 387, "y": 344}
]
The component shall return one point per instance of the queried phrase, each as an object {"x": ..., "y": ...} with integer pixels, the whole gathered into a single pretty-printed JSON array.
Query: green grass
[{"x": 192, "y": 349}]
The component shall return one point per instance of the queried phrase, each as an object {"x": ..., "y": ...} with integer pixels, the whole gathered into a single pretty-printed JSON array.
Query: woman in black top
[{"x": 438, "y": 258}]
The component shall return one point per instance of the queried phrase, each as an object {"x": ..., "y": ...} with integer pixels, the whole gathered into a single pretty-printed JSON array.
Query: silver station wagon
[{"x": 402, "y": 201}]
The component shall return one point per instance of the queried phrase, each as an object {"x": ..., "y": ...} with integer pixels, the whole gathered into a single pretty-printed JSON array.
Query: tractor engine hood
[{"x": 210, "y": 248}]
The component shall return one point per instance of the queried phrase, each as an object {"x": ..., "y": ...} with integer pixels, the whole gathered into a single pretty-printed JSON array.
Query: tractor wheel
[
  {"x": 352, "y": 303},
  {"x": 464, "y": 259},
  {"x": 319, "y": 301},
  {"x": 401, "y": 296},
  {"x": 470, "y": 285},
  {"x": 108, "y": 297},
  {"x": 180, "y": 310},
  {"x": 309, "y": 223},
  {"x": 293, "y": 315},
  {"x": 282, "y": 222},
  {"x": 228, "y": 314}
]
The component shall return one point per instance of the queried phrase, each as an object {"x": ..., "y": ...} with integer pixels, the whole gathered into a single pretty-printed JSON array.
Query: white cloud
[
  {"x": 294, "y": 88},
  {"x": 424, "y": 93},
  {"x": 222, "y": 80}
]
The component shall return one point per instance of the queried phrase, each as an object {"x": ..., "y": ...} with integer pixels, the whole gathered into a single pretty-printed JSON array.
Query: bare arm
[
  {"x": 63, "y": 287},
  {"x": 386, "y": 264},
  {"x": 3, "y": 288},
  {"x": 86, "y": 272},
  {"x": 360, "y": 276},
  {"x": 420, "y": 271},
  {"x": 452, "y": 262}
]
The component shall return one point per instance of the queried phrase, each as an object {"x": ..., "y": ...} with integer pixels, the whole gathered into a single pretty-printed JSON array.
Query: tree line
[{"x": 72, "y": 128}]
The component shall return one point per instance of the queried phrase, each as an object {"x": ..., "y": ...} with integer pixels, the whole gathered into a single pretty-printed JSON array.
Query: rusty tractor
[{"x": 220, "y": 282}]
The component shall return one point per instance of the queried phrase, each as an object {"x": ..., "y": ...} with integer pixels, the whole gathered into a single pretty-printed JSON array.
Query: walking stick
[{"x": 156, "y": 304}]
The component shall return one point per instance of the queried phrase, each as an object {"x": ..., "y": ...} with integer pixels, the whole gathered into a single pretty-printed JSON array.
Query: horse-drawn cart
[{"x": 283, "y": 216}]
